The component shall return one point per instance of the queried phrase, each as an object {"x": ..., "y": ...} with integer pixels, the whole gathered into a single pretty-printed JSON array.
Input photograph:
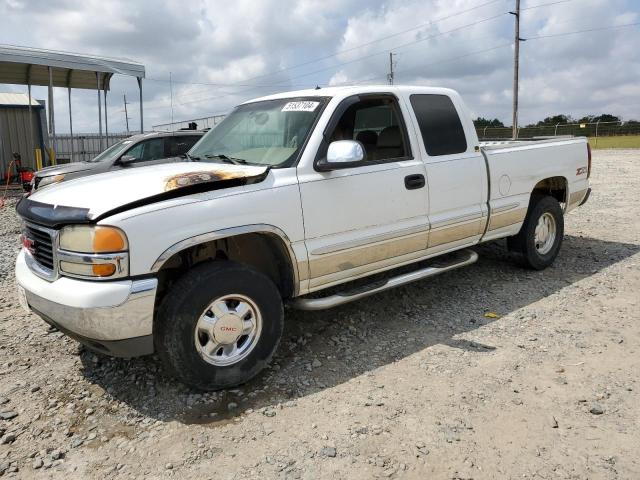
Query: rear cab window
[
  {"x": 179, "y": 144},
  {"x": 440, "y": 126}
]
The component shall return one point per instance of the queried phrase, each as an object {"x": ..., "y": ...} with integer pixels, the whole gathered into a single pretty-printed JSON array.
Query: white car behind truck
[{"x": 290, "y": 199}]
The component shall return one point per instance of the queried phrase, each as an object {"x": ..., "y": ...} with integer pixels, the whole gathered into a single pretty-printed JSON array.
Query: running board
[{"x": 341, "y": 298}]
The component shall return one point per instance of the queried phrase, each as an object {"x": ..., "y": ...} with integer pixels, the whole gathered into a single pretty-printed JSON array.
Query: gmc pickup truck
[{"x": 290, "y": 200}]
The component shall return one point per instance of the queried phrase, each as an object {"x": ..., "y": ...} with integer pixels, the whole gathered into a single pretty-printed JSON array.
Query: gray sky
[{"x": 253, "y": 48}]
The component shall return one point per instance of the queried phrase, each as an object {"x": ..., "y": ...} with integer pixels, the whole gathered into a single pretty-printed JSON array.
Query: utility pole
[
  {"x": 390, "y": 75},
  {"x": 126, "y": 115},
  {"x": 516, "y": 67}
]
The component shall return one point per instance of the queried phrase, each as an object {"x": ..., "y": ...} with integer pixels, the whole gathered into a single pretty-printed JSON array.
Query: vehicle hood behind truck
[
  {"x": 88, "y": 199},
  {"x": 65, "y": 168}
]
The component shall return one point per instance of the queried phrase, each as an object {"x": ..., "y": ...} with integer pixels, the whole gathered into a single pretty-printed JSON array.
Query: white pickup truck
[{"x": 289, "y": 196}]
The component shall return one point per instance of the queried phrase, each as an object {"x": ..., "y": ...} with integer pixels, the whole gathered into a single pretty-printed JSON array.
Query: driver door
[{"x": 371, "y": 216}]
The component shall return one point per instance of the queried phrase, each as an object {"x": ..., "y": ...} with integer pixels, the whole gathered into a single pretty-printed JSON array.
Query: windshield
[
  {"x": 112, "y": 152},
  {"x": 271, "y": 132}
]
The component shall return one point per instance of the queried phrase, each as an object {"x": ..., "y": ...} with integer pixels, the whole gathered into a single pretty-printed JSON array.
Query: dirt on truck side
[{"x": 489, "y": 371}]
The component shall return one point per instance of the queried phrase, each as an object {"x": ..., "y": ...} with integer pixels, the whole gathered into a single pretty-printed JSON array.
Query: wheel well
[
  {"x": 265, "y": 252},
  {"x": 553, "y": 186}
]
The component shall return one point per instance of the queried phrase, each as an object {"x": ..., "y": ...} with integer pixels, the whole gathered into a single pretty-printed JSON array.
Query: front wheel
[
  {"x": 219, "y": 325},
  {"x": 540, "y": 237}
]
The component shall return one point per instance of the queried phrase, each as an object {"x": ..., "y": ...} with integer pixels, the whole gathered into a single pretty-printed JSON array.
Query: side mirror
[
  {"x": 126, "y": 159},
  {"x": 342, "y": 154}
]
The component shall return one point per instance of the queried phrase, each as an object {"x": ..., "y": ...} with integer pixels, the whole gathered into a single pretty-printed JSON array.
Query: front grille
[{"x": 42, "y": 246}]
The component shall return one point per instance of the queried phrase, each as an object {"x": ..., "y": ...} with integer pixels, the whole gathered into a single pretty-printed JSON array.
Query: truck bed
[{"x": 538, "y": 141}]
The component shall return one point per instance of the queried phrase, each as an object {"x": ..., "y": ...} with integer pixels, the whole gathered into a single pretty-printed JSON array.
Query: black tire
[
  {"x": 524, "y": 245},
  {"x": 184, "y": 304}
]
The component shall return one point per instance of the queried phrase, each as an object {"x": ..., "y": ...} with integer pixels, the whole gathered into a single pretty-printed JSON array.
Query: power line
[
  {"x": 213, "y": 84},
  {"x": 408, "y": 44},
  {"x": 610, "y": 27},
  {"x": 446, "y": 60},
  {"x": 596, "y": 29},
  {"x": 363, "y": 79},
  {"x": 433, "y": 22},
  {"x": 340, "y": 52},
  {"x": 279, "y": 84},
  {"x": 459, "y": 57},
  {"x": 544, "y": 5}
]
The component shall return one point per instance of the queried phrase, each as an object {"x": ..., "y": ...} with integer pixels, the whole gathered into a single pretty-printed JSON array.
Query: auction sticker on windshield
[{"x": 300, "y": 106}]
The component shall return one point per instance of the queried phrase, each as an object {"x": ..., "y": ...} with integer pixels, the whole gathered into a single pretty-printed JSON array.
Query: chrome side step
[{"x": 331, "y": 301}]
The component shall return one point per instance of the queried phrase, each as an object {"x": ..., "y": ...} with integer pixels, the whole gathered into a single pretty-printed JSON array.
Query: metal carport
[{"x": 50, "y": 68}]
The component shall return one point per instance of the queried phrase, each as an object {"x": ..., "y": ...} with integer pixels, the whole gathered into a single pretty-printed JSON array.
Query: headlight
[
  {"x": 93, "y": 239},
  {"x": 93, "y": 251},
  {"x": 50, "y": 180}
]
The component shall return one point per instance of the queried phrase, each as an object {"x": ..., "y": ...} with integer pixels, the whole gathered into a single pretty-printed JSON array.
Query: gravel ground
[{"x": 418, "y": 382}]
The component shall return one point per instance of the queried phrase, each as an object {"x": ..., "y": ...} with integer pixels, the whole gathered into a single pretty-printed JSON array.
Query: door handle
[{"x": 413, "y": 182}]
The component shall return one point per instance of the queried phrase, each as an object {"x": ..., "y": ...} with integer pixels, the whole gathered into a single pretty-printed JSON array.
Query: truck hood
[
  {"x": 87, "y": 199},
  {"x": 65, "y": 168}
]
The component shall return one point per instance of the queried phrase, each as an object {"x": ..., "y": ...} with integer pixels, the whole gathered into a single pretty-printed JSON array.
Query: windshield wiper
[
  {"x": 193, "y": 157},
  {"x": 224, "y": 158}
]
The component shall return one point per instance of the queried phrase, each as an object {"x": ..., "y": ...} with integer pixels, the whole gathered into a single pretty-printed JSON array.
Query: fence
[
  {"x": 85, "y": 146},
  {"x": 595, "y": 129},
  {"x": 201, "y": 123}
]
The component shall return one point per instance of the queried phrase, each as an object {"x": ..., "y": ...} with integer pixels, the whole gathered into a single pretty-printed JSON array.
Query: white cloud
[{"x": 234, "y": 42}]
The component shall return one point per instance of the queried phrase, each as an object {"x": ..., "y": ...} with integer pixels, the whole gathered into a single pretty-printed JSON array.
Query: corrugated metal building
[{"x": 22, "y": 129}]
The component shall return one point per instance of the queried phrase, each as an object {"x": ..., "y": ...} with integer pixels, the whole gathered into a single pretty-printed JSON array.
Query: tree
[
  {"x": 485, "y": 122},
  {"x": 556, "y": 119},
  {"x": 605, "y": 117}
]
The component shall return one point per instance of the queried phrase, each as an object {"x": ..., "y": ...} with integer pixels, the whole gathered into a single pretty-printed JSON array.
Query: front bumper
[{"x": 111, "y": 317}]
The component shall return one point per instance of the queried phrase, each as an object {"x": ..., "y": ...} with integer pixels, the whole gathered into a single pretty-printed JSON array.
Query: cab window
[
  {"x": 179, "y": 144},
  {"x": 440, "y": 125},
  {"x": 375, "y": 123},
  {"x": 152, "y": 149}
]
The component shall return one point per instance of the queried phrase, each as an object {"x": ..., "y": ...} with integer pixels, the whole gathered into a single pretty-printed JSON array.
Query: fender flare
[{"x": 231, "y": 232}]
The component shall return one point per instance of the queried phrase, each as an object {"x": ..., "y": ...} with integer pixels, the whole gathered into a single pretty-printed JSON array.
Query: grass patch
[{"x": 622, "y": 141}]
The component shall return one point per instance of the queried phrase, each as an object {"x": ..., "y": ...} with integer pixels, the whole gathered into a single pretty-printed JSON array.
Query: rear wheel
[
  {"x": 219, "y": 325},
  {"x": 539, "y": 240}
]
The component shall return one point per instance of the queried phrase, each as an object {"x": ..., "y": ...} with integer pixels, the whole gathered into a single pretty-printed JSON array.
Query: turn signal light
[
  {"x": 103, "y": 269},
  {"x": 108, "y": 240}
]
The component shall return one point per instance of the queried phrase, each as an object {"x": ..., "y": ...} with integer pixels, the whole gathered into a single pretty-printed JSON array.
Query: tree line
[{"x": 560, "y": 119}]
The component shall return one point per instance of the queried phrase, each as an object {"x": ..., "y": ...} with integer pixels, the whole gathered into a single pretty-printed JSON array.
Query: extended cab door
[
  {"x": 456, "y": 171},
  {"x": 371, "y": 216}
]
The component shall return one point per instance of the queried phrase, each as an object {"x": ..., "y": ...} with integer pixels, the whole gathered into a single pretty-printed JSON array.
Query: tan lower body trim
[
  {"x": 452, "y": 233},
  {"x": 347, "y": 259},
  {"x": 576, "y": 197},
  {"x": 504, "y": 219}
]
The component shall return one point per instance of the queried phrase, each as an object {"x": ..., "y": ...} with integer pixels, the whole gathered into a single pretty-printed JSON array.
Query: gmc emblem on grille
[{"x": 29, "y": 244}]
